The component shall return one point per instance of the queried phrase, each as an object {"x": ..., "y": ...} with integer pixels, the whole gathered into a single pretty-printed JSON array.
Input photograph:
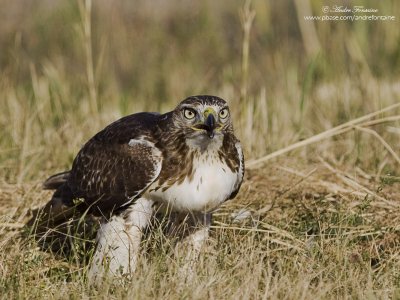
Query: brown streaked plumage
[{"x": 187, "y": 159}]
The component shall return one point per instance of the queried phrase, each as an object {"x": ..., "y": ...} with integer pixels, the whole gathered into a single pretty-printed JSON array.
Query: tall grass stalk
[
  {"x": 247, "y": 16},
  {"x": 85, "y": 9}
]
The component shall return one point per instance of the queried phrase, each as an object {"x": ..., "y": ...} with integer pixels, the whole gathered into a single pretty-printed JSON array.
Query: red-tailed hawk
[{"x": 187, "y": 160}]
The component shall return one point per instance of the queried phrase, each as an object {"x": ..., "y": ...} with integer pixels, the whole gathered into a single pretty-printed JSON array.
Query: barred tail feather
[
  {"x": 55, "y": 181},
  {"x": 60, "y": 207}
]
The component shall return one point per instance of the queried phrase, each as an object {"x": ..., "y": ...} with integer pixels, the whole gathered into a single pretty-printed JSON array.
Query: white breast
[{"x": 212, "y": 183}]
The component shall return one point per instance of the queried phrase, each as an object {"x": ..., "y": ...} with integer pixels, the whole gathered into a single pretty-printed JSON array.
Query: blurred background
[{"x": 68, "y": 68}]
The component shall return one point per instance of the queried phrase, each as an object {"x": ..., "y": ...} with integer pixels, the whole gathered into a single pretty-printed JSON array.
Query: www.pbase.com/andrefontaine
[{"x": 350, "y": 18}]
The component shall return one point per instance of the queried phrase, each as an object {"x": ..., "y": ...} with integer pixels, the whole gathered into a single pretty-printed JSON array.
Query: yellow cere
[{"x": 208, "y": 111}]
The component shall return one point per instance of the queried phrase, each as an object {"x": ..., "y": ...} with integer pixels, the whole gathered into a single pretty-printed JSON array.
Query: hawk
[{"x": 187, "y": 161}]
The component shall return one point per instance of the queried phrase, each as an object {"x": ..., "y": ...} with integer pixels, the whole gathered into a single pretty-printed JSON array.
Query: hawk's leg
[
  {"x": 196, "y": 230},
  {"x": 200, "y": 232},
  {"x": 118, "y": 241}
]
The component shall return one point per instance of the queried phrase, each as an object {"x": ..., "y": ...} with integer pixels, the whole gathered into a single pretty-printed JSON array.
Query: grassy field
[{"x": 324, "y": 198}]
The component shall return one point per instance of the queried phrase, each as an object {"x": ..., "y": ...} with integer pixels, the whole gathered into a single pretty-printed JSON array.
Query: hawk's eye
[
  {"x": 224, "y": 113},
  {"x": 189, "y": 113}
]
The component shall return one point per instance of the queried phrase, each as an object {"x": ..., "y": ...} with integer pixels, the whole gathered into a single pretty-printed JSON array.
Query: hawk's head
[{"x": 203, "y": 119}]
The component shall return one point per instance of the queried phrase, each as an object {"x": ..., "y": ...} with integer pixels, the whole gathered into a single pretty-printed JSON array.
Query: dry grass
[
  {"x": 310, "y": 235},
  {"x": 320, "y": 132}
]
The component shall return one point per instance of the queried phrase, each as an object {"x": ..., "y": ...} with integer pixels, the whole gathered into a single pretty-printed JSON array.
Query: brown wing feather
[{"x": 109, "y": 171}]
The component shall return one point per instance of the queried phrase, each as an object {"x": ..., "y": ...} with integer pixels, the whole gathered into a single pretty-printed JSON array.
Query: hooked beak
[{"x": 210, "y": 125}]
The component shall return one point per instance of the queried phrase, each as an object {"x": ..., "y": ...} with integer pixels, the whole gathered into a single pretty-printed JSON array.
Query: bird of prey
[{"x": 187, "y": 160}]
